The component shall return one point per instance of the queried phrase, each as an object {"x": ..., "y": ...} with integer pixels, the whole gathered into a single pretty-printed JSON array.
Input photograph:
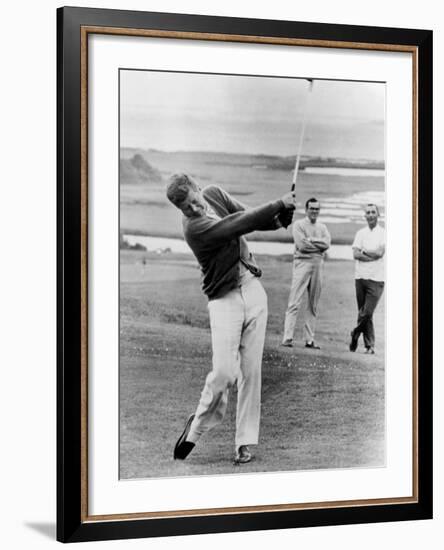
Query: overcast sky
[{"x": 240, "y": 114}]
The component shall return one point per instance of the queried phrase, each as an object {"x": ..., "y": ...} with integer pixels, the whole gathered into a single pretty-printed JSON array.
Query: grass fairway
[{"x": 320, "y": 409}]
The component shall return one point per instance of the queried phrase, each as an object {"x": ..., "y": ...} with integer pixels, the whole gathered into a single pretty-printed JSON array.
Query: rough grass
[{"x": 320, "y": 409}]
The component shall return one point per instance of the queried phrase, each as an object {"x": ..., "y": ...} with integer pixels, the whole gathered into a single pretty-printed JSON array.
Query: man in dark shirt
[{"x": 214, "y": 224}]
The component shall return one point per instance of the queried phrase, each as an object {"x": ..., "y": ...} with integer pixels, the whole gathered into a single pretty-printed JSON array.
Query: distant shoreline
[
  {"x": 162, "y": 245},
  {"x": 251, "y": 237}
]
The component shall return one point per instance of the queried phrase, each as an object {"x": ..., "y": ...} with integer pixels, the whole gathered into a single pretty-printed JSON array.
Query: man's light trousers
[
  {"x": 307, "y": 277},
  {"x": 238, "y": 322}
]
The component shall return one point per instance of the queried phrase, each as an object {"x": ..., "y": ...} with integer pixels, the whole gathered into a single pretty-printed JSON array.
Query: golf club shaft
[{"x": 301, "y": 136}]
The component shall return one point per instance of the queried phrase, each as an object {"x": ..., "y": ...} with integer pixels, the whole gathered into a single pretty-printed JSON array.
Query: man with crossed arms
[
  {"x": 311, "y": 239},
  {"x": 214, "y": 224}
]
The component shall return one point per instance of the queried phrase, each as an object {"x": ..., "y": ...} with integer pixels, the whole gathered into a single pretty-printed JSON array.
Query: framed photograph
[{"x": 244, "y": 274}]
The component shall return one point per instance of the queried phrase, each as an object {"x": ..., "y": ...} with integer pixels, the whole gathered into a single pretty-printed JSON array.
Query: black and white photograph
[
  {"x": 252, "y": 318},
  {"x": 207, "y": 340}
]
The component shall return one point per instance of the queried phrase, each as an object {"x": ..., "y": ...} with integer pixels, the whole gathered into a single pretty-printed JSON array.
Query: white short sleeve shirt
[{"x": 370, "y": 240}]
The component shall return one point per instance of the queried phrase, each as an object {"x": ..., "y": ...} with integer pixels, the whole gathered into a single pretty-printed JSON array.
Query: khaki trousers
[
  {"x": 238, "y": 322},
  {"x": 307, "y": 277}
]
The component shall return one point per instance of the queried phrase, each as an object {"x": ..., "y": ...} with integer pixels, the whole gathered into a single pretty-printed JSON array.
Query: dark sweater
[{"x": 217, "y": 244}]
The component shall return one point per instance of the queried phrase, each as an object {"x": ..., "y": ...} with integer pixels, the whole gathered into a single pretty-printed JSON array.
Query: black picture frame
[{"x": 73, "y": 523}]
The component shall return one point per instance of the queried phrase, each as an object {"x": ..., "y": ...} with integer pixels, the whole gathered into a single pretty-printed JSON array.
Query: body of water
[
  {"x": 343, "y": 210},
  {"x": 333, "y": 170},
  {"x": 162, "y": 244}
]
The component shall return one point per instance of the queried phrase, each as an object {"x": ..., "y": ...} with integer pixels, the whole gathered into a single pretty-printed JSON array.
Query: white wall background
[{"x": 28, "y": 281}]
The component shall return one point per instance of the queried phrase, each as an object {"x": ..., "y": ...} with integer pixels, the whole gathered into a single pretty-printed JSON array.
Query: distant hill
[
  {"x": 138, "y": 170},
  {"x": 266, "y": 162}
]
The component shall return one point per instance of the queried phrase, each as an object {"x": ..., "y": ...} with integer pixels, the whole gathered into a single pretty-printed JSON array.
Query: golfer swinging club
[{"x": 213, "y": 225}]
